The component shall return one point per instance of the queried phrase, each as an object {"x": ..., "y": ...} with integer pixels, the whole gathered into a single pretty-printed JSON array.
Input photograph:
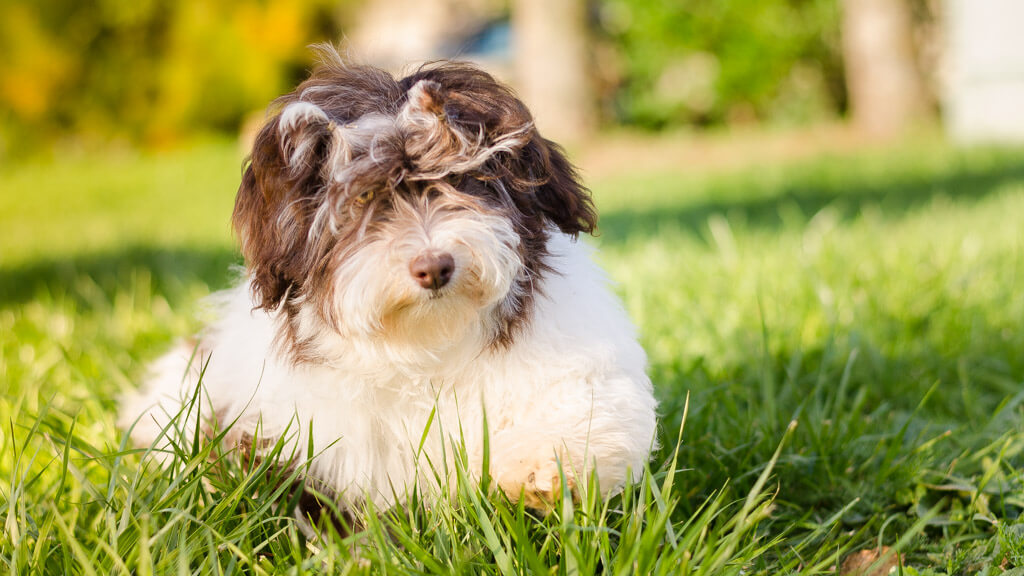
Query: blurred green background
[
  {"x": 153, "y": 73},
  {"x": 146, "y": 72}
]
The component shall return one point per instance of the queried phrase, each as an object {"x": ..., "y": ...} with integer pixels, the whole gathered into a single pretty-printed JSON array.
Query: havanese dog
[{"x": 414, "y": 292}]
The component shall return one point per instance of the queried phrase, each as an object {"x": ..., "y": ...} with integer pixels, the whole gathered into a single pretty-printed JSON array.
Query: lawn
[{"x": 836, "y": 342}]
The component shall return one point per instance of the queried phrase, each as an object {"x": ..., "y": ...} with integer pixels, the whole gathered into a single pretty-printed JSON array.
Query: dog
[{"x": 414, "y": 292}]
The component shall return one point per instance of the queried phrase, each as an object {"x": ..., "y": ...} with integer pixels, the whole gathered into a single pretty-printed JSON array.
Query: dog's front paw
[{"x": 537, "y": 482}]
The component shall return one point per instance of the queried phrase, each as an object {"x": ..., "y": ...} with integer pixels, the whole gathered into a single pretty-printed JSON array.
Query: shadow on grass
[
  {"x": 168, "y": 270},
  {"x": 758, "y": 205}
]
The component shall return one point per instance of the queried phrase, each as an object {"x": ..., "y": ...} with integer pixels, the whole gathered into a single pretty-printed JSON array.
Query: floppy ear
[
  {"x": 287, "y": 164},
  {"x": 559, "y": 196}
]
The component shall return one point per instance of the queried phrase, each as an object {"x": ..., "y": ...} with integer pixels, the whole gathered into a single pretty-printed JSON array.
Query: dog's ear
[
  {"x": 455, "y": 108},
  {"x": 271, "y": 217},
  {"x": 558, "y": 193}
]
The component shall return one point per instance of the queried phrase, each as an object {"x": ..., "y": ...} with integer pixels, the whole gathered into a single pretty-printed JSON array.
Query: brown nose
[{"x": 432, "y": 270}]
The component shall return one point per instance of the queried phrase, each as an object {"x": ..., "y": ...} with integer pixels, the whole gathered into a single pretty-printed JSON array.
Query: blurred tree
[
  {"x": 148, "y": 70},
  {"x": 886, "y": 89},
  {"x": 552, "y": 65},
  {"x": 712, "y": 61}
]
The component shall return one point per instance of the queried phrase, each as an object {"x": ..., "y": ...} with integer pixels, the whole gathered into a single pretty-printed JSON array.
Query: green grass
[{"x": 876, "y": 300}]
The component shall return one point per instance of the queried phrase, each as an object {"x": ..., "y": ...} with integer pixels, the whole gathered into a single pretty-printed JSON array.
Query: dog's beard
[{"x": 372, "y": 302}]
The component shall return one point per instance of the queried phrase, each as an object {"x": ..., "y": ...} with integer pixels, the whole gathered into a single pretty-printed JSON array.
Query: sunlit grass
[
  {"x": 106, "y": 202},
  {"x": 875, "y": 300}
]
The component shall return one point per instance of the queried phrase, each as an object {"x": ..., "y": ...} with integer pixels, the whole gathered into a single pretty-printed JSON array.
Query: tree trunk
[
  {"x": 885, "y": 88},
  {"x": 551, "y": 66}
]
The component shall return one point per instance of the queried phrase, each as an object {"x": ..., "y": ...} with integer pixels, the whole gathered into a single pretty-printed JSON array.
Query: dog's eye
[{"x": 365, "y": 197}]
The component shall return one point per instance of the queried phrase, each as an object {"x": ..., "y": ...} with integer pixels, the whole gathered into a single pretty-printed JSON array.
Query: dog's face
[{"x": 413, "y": 212}]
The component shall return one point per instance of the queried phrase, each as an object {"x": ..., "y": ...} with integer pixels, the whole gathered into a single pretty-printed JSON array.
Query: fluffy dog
[{"x": 413, "y": 284}]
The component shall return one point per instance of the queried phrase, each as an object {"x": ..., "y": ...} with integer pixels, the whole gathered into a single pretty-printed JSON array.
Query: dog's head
[{"x": 414, "y": 210}]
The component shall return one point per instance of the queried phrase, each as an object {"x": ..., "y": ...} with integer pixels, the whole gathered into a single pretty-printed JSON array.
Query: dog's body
[{"x": 415, "y": 287}]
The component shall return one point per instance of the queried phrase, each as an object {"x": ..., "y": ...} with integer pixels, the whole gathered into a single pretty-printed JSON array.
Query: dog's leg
[{"x": 545, "y": 447}]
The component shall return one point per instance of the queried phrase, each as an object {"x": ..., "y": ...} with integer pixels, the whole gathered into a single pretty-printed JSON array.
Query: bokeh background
[{"x": 155, "y": 73}]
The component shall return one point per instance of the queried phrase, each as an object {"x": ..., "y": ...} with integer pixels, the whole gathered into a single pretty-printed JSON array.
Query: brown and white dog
[{"x": 414, "y": 283}]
